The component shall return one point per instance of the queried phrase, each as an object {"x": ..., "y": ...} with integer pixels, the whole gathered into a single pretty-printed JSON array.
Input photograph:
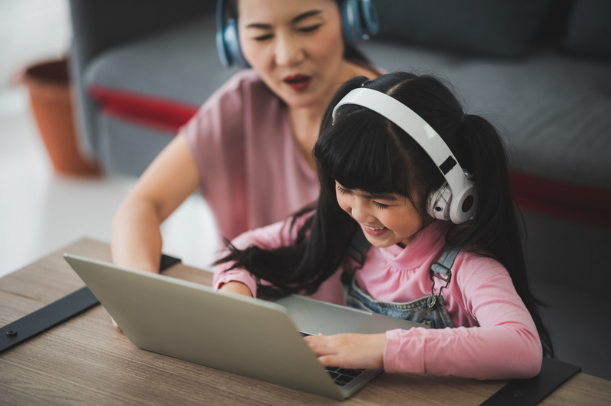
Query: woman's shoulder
[
  {"x": 367, "y": 69},
  {"x": 230, "y": 99},
  {"x": 245, "y": 79}
]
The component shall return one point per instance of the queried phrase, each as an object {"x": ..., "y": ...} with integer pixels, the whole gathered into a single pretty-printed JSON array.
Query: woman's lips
[
  {"x": 298, "y": 82},
  {"x": 375, "y": 231}
]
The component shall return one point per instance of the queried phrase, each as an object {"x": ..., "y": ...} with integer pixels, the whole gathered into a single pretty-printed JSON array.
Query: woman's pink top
[
  {"x": 495, "y": 337},
  {"x": 252, "y": 173}
]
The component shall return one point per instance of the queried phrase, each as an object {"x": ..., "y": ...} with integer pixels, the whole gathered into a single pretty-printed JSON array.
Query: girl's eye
[
  {"x": 262, "y": 38},
  {"x": 380, "y": 205},
  {"x": 342, "y": 190},
  {"x": 311, "y": 28}
]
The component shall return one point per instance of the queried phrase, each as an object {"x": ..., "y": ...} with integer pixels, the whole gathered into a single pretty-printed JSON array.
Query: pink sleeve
[
  {"x": 272, "y": 236},
  {"x": 505, "y": 345}
]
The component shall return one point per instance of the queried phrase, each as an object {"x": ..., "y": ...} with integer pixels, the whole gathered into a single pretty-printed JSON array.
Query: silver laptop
[{"x": 234, "y": 333}]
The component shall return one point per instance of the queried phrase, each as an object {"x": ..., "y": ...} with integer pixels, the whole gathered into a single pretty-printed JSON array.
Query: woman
[{"x": 261, "y": 124}]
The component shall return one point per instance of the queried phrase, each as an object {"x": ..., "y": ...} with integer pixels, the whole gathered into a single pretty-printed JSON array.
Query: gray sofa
[{"x": 539, "y": 69}]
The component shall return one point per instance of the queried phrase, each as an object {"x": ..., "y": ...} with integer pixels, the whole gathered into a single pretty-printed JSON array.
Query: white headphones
[{"x": 456, "y": 199}]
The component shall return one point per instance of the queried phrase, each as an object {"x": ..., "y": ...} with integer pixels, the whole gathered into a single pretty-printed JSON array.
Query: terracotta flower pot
[{"x": 51, "y": 100}]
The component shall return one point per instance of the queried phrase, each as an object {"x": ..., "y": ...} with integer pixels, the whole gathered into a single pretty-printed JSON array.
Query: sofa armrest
[{"x": 98, "y": 25}]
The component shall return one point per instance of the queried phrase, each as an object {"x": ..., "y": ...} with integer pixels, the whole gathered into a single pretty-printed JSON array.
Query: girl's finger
[{"x": 328, "y": 360}]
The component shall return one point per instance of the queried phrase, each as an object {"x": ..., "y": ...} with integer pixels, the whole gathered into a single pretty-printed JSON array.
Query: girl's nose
[
  {"x": 359, "y": 211},
  {"x": 288, "y": 51}
]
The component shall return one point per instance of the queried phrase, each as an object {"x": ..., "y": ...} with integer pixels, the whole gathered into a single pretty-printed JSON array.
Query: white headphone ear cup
[
  {"x": 438, "y": 203},
  {"x": 464, "y": 206}
]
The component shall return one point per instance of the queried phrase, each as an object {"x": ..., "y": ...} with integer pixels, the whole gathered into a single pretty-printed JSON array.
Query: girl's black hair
[
  {"x": 363, "y": 150},
  {"x": 351, "y": 53}
]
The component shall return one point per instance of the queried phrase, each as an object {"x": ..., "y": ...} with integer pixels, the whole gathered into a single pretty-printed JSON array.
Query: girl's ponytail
[{"x": 481, "y": 150}]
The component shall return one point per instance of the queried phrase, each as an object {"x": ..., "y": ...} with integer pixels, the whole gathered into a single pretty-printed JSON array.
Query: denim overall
[{"x": 429, "y": 310}]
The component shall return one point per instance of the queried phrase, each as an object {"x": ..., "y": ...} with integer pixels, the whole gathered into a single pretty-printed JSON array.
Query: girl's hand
[
  {"x": 355, "y": 351},
  {"x": 236, "y": 287}
]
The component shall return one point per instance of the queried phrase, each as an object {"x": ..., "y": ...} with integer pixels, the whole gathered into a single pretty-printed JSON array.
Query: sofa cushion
[
  {"x": 589, "y": 31},
  {"x": 504, "y": 28},
  {"x": 553, "y": 110}
]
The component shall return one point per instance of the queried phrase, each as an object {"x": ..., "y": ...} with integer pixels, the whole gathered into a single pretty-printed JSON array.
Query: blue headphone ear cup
[
  {"x": 359, "y": 20},
  {"x": 350, "y": 21},
  {"x": 370, "y": 17},
  {"x": 220, "y": 36},
  {"x": 231, "y": 41},
  {"x": 222, "y": 51}
]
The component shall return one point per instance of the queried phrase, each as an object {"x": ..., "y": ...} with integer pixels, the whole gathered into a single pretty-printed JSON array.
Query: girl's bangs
[{"x": 360, "y": 154}]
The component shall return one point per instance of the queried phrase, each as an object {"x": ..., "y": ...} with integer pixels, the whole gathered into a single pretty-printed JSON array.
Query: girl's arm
[
  {"x": 269, "y": 237},
  {"x": 505, "y": 345},
  {"x": 166, "y": 183}
]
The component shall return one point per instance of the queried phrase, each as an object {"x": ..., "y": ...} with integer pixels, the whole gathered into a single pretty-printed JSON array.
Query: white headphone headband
[{"x": 461, "y": 207}]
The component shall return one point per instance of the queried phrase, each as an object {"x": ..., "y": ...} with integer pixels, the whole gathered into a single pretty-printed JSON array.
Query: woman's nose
[{"x": 288, "y": 50}]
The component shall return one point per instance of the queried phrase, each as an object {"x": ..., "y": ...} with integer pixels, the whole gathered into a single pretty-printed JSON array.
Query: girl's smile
[
  {"x": 374, "y": 231},
  {"x": 386, "y": 219}
]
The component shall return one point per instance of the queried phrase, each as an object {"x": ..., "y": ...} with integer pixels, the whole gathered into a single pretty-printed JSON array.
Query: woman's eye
[
  {"x": 310, "y": 28},
  {"x": 380, "y": 205},
  {"x": 262, "y": 37}
]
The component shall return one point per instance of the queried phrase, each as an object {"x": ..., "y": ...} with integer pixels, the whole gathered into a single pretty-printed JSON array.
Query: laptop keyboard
[{"x": 341, "y": 376}]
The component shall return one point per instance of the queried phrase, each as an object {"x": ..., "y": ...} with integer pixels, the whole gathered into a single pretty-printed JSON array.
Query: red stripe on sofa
[
  {"x": 156, "y": 112},
  {"x": 574, "y": 202}
]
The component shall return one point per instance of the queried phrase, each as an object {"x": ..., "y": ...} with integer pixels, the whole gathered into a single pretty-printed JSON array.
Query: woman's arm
[{"x": 166, "y": 183}]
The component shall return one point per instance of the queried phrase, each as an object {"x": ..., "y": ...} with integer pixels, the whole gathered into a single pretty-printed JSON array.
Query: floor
[{"x": 41, "y": 211}]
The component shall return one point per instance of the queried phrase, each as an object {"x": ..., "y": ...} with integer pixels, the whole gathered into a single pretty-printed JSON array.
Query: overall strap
[{"x": 442, "y": 269}]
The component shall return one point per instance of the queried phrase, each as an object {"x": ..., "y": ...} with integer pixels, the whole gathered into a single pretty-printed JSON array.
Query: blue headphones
[{"x": 359, "y": 22}]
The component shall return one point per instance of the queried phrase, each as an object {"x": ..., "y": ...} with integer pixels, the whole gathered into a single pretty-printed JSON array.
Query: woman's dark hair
[
  {"x": 363, "y": 150},
  {"x": 351, "y": 53}
]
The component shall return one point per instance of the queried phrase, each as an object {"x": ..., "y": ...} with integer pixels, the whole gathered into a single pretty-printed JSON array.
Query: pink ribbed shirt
[{"x": 252, "y": 172}]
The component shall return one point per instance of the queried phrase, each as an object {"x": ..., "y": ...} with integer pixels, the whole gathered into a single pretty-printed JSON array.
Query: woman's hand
[
  {"x": 236, "y": 287},
  {"x": 355, "y": 351},
  {"x": 114, "y": 323}
]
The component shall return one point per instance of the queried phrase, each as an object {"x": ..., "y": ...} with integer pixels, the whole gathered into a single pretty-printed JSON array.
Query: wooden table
[{"x": 87, "y": 361}]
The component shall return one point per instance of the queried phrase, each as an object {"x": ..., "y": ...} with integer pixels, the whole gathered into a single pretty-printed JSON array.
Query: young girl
[{"x": 448, "y": 255}]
